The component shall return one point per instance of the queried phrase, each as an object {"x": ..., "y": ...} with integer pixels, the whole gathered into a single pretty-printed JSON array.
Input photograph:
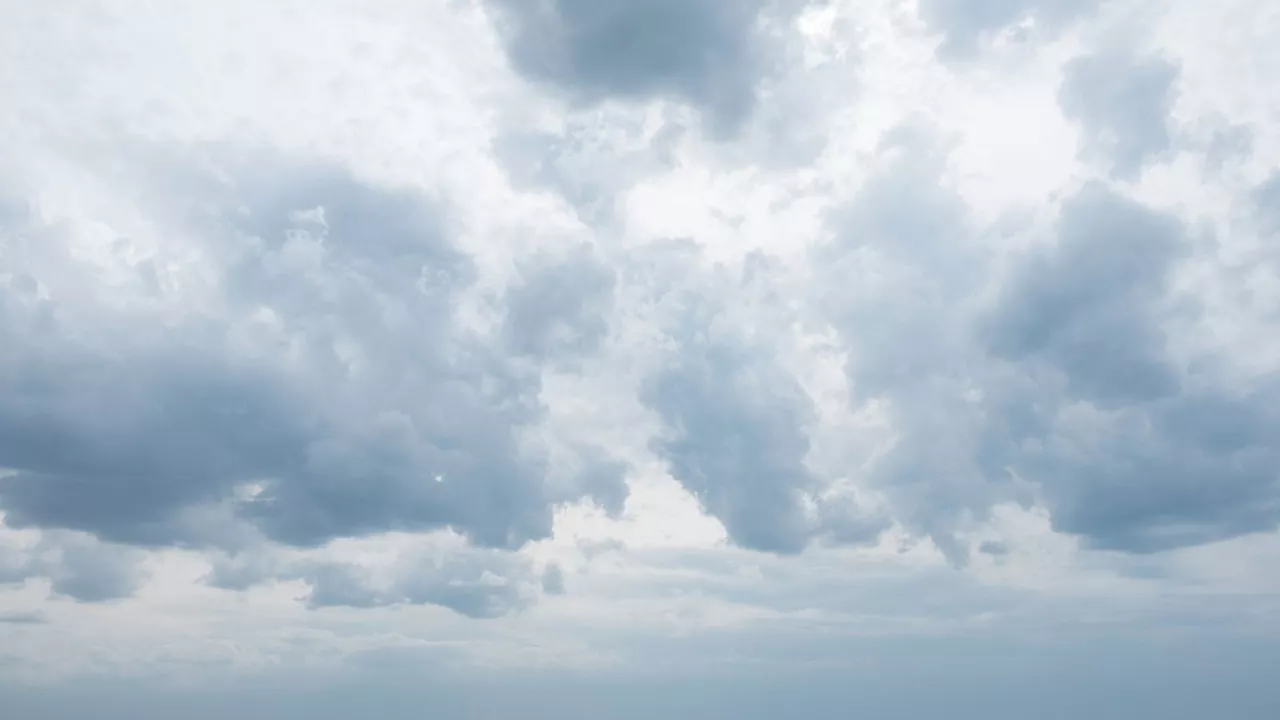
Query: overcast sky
[{"x": 639, "y": 359}]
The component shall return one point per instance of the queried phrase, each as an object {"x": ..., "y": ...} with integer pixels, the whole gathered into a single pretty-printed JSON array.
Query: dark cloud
[
  {"x": 1086, "y": 305},
  {"x": 966, "y": 26},
  {"x": 604, "y": 480},
  {"x": 77, "y": 566},
  {"x": 736, "y": 438},
  {"x": 1123, "y": 105},
  {"x": 329, "y": 371},
  {"x": 90, "y": 571},
  {"x": 1181, "y": 472},
  {"x": 559, "y": 307},
  {"x": 1062, "y": 388},
  {"x": 1132, "y": 452},
  {"x": 706, "y": 52},
  {"x": 994, "y": 548}
]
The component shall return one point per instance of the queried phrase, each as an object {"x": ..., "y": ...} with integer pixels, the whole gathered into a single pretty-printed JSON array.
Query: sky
[{"x": 639, "y": 358}]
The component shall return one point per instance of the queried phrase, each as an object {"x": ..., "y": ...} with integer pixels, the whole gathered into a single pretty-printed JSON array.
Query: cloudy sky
[{"x": 639, "y": 358}]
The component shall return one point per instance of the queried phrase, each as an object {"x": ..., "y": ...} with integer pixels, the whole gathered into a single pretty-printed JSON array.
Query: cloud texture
[{"x": 661, "y": 340}]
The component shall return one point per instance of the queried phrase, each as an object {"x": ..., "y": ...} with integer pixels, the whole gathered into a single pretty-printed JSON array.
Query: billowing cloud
[
  {"x": 1123, "y": 105},
  {"x": 710, "y": 54},
  {"x": 358, "y": 403},
  {"x": 1065, "y": 386},
  {"x": 736, "y": 438},
  {"x": 77, "y": 566},
  {"x": 559, "y": 308},
  {"x": 677, "y": 348},
  {"x": 1139, "y": 454}
]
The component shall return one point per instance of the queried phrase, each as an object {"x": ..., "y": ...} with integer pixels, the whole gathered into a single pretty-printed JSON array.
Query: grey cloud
[
  {"x": 1088, "y": 304},
  {"x": 359, "y": 390},
  {"x": 994, "y": 548},
  {"x": 1227, "y": 144},
  {"x": 966, "y": 26},
  {"x": 559, "y": 308},
  {"x": 334, "y": 585},
  {"x": 589, "y": 162},
  {"x": 735, "y": 422},
  {"x": 706, "y": 52},
  {"x": 1182, "y": 471},
  {"x": 77, "y": 566},
  {"x": 90, "y": 571},
  {"x": 1266, "y": 198},
  {"x": 553, "y": 580},
  {"x": 604, "y": 480},
  {"x": 111, "y": 446},
  {"x": 22, "y": 618},
  {"x": 1130, "y": 452},
  {"x": 1062, "y": 388},
  {"x": 736, "y": 438},
  {"x": 15, "y": 566},
  {"x": 243, "y": 570},
  {"x": 1161, "y": 458},
  {"x": 900, "y": 277},
  {"x": 1123, "y": 104},
  {"x": 473, "y": 583}
]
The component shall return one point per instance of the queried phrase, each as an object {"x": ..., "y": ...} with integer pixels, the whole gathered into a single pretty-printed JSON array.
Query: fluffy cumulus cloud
[
  {"x": 351, "y": 389},
  {"x": 639, "y": 358}
]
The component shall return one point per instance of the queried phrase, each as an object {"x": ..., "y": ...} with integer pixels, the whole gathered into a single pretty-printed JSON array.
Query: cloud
[
  {"x": 76, "y": 565},
  {"x": 1266, "y": 201},
  {"x": 735, "y": 436},
  {"x": 638, "y": 358},
  {"x": 1088, "y": 306},
  {"x": 354, "y": 387},
  {"x": 1137, "y": 453},
  {"x": 477, "y": 584},
  {"x": 603, "y": 479},
  {"x": 1123, "y": 105},
  {"x": 553, "y": 580},
  {"x": 22, "y": 618},
  {"x": 966, "y": 26},
  {"x": 1062, "y": 387},
  {"x": 900, "y": 278},
  {"x": 707, "y": 53},
  {"x": 560, "y": 307},
  {"x": 90, "y": 571}
]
